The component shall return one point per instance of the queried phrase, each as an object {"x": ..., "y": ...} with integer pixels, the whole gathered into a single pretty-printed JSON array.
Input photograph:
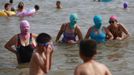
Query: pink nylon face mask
[{"x": 24, "y": 26}]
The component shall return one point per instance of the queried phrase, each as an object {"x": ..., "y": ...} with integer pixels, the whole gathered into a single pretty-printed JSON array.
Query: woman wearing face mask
[
  {"x": 70, "y": 30},
  {"x": 118, "y": 31},
  {"x": 24, "y": 43},
  {"x": 97, "y": 32}
]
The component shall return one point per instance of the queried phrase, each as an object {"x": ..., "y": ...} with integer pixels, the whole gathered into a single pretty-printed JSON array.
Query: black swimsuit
[{"x": 24, "y": 52}]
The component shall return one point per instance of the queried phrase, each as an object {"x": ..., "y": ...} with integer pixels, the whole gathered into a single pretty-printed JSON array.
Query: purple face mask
[{"x": 24, "y": 26}]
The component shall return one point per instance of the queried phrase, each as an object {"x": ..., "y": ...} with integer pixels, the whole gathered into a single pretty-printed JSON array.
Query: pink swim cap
[
  {"x": 113, "y": 18},
  {"x": 24, "y": 23}
]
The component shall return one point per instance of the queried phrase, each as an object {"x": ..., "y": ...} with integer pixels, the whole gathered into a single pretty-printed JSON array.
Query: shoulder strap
[
  {"x": 30, "y": 39},
  {"x": 18, "y": 41}
]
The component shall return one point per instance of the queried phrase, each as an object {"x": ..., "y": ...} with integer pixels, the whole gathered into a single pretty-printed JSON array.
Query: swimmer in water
[
  {"x": 87, "y": 52},
  {"x": 58, "y": 5},
  {"x": 24, "y": 43},
  {"x": 118, "y": 31},
  {"x": 97, "y": 32},
  {"x": 70, "y": 30},
  {"x": 42, "y": 57},
  {"x": 11, "y": 3}
]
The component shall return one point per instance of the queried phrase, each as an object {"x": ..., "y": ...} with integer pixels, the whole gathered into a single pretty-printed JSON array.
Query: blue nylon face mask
[
  {"x": 98, "y": 21},
  {"x": 73, "y": 20}
]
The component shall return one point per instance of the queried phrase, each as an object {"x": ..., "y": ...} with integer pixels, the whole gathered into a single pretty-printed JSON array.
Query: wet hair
[
  {"x": 21, "y": 5},
  {"x": 6, "y": 5},
  {"x": 43, "y": 38},
  {"x": 88, "y": 48},
  {"x": 36, "y": 7},
  {"x": 58, "y": 2}
]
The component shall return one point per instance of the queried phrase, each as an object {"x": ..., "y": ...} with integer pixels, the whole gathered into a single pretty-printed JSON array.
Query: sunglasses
[{"x": 111, "y": 22}]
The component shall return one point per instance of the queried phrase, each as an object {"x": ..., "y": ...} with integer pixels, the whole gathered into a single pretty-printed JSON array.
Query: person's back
[
  {"x": 92, "y": 68},
  {"x": 89, "y": 65}
]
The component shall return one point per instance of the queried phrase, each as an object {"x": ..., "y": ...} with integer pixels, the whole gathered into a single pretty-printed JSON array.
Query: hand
[
  {"x": 71, "y": 42},
  {"x": 118, "y": 38}
]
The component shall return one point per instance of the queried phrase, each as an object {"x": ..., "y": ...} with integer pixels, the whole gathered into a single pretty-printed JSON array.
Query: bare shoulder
[
  {"x": 35, "y": 55},
  {"x": 81, "y": 67},
  {"x": 63, "y": 26},
  {"x": 77, "y": 26},
  {"x": 78, "y": 69},
  {"x": 14, "y": 38},
  {"x": 100, "y": 64},
  {"x": 34, "y": 35},
  {"x": 104, "y": 68}
]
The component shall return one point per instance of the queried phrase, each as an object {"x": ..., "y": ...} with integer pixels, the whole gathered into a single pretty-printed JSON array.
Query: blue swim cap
[
  {"x": 73, "y": 20},
  {"x": 106, "y": 0},
  {"x": 97, "y": 21},
  {"x": 125, "y": 5}
]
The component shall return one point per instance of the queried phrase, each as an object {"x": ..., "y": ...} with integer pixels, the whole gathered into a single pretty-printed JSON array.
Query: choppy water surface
[{"x": 117, "y": 55}]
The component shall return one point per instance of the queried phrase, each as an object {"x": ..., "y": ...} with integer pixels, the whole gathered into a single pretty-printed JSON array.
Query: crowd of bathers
[
  {"x": 19, "y": 11},
  {"x": 37, "y": 50}
]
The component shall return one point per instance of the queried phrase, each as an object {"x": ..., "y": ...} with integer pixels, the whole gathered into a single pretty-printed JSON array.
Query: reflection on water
[{"x": 117, "y": 55}]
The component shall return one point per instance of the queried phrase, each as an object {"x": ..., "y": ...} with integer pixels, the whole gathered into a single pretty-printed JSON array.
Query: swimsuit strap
[
  {"x": 30, "y": 39},
  {"x": 65, "y": 26},
  {"x": 18, "y": 41},
  {"x": 75, "y": 31}
]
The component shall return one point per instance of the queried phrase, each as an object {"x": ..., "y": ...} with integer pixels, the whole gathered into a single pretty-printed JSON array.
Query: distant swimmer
[
  {"x": 118, "y": 31},
  {"x": 11, "y": 3},
  {"x": 7, "y": 10},
  {"x": 125, "y": 5},
  {"x": 20, "y": 9},
  {"x": 70, "y": 30},
  {"x": 98, "y": 32},
  {"x": 32, "y": 11},
  {"x": 103, "y": 0},
  {"x": 58, "y": 5}
]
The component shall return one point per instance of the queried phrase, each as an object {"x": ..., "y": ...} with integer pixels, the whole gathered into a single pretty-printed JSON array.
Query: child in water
[
  {"x": 41, "y": 59},
  {"x": 87, "y": 51}
]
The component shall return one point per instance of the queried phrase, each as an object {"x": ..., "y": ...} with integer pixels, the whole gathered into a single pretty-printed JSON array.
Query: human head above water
[
  {"x": 113, "y": 19},
  {"x": 21, "y": 5},
  {"x": 88, "y": 48},
  {"x": 58, "y": 4},
  {"x": 24, "y": 26},
  {"x": 43, "y": 38},
  {"x": 7, "y": 6},
  {"x": 11, "y": 1},
  {"x": 36, "y": 7},
  {"x": 73, "y": 19},
  {"x": 97, "y": 21},
  {"x": 125, "y": 5}
]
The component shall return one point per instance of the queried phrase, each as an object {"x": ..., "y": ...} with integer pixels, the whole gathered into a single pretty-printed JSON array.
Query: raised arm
[
  {"x": 49, "y": 52},
  {"x": 11, "y": 43}
]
